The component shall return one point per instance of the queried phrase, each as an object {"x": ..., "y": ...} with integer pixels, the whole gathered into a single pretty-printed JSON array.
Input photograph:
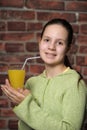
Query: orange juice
[{"x": 16, "y": 78}]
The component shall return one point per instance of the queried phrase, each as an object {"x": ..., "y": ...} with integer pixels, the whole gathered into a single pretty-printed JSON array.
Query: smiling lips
[{"x": 50, "y": 55}]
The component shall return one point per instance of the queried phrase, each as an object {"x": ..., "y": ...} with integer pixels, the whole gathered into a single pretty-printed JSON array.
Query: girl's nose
[{"x": 52, "y": 46}]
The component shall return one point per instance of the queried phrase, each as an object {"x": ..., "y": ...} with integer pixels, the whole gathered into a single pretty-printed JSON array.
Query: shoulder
[
  {"x": 75, "y": 79},
  {"x": 73, "y": 74}
]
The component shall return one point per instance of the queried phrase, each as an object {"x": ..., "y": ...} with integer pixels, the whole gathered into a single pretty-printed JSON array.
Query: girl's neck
[{"x": 54, "y": 71}]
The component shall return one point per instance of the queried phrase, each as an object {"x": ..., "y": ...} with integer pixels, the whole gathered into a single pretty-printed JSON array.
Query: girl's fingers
[
  {"x": 9, "y": 91},
  {"x": 4, "y": 90},
  {"x": 7, "y": 83},
  {"x": 26, "y": 92},
  {"x": 15, "y": 97},
  {"x": 20, "y": 90}
]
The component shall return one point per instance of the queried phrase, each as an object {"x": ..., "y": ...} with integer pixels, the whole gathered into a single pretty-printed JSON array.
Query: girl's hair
[{"x": 69, "y": 29}]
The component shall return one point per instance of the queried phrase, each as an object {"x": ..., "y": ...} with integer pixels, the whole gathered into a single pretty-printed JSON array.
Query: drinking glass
[{"x": 16, "y": 78}]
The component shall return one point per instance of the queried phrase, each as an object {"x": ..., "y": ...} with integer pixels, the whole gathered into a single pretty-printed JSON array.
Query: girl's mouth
[{"x": 50, "y": 55}]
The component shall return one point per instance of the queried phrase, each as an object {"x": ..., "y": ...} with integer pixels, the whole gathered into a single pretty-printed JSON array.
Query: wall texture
[{"x": 21, "y": 22}]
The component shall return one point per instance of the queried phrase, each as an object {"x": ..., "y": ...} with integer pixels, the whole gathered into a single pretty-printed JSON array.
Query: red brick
[
  {"x": 83, "y": 28},
  {"x": 3, "y": 67},
  {"x": 14, "y": 47},
  {"x": 13, "y": 124},
  {"x": 75, "y": 28},
  {"x": 86, "y": 60},
  {"x": 74, "y": 49},
  {"x": 40, "y": 61},
  {"x": 16, "y": 26},
  {"x": 2, "y": 26},
  {"x": 11, "y": 3},
  {"x": 82, "y": 39},
  {"x": 2, "y": 78},
  {"x": 38, "y": 4},
  {"x": 22, "y": 58},
  {"x": 7, "y": 112},
  {"x": 9, "y": 59},
  {"x": 85, "y": 71},
  {"x": 2, "y": 48},
  {"x": 83, "y": 49},
  {"x": 13, "y": 61},
  {"x": 82, "y": 17},
  {"x": 15, "y": 65},
  {"x": 32, "y": 47},
  {"x": 77, "y": 68},
  {"x": 76, "y": 6},
  {"x": 50, "y": 15},
  {"x": 81, "y": 60},
  {"x": 18, "y": 15},
  {"x": 34, "y": 26},
  {"x": 1, "y": 93},
  {"x": 16, "y": 36},
  {"x": 3, "y": 103},
  {"x": 3, "y": 123},
  {"x": 47, "y": 15},
  {"x": 36, "y": 69},
  {"x": 68, "y": 16}
]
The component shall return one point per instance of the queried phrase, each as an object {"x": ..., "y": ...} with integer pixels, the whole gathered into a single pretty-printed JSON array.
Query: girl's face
[{"x": 53, "y": 45}]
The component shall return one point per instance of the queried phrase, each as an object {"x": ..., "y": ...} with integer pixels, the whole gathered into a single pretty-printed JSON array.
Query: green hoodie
[{"x": 57, "y": 103}]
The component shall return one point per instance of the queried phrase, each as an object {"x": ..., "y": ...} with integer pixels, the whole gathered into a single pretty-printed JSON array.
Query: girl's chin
[
  {"x": 51, "y": 65},
  {"x": 50, "y": 62}
]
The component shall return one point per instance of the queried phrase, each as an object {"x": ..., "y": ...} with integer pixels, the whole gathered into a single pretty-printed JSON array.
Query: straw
[{"x": 30, "y": 58}]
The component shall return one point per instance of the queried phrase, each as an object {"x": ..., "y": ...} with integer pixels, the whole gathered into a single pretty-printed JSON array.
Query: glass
[{"x": 16, "y": 78}]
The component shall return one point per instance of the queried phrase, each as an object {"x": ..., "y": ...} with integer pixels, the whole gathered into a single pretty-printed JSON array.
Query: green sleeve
[
  {"x": 39, "y": 118},
  {"x": 74, "y": 104},
  {"x": 23, "y": 126}
]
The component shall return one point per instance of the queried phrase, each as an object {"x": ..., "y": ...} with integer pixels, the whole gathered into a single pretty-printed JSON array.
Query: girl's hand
[{"x": 15, "y": 96}]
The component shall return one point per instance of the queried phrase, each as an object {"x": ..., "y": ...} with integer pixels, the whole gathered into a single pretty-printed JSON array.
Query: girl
[{"x": 55, "y": 99}]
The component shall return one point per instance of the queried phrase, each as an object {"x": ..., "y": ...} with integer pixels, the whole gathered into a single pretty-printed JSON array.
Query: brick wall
[{"x": 21, "y": 22}]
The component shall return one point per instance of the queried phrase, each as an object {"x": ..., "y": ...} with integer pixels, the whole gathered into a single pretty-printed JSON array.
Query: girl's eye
[
  {"x": 59, "y": 43},
  {"x": 46, "y": 40}
]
